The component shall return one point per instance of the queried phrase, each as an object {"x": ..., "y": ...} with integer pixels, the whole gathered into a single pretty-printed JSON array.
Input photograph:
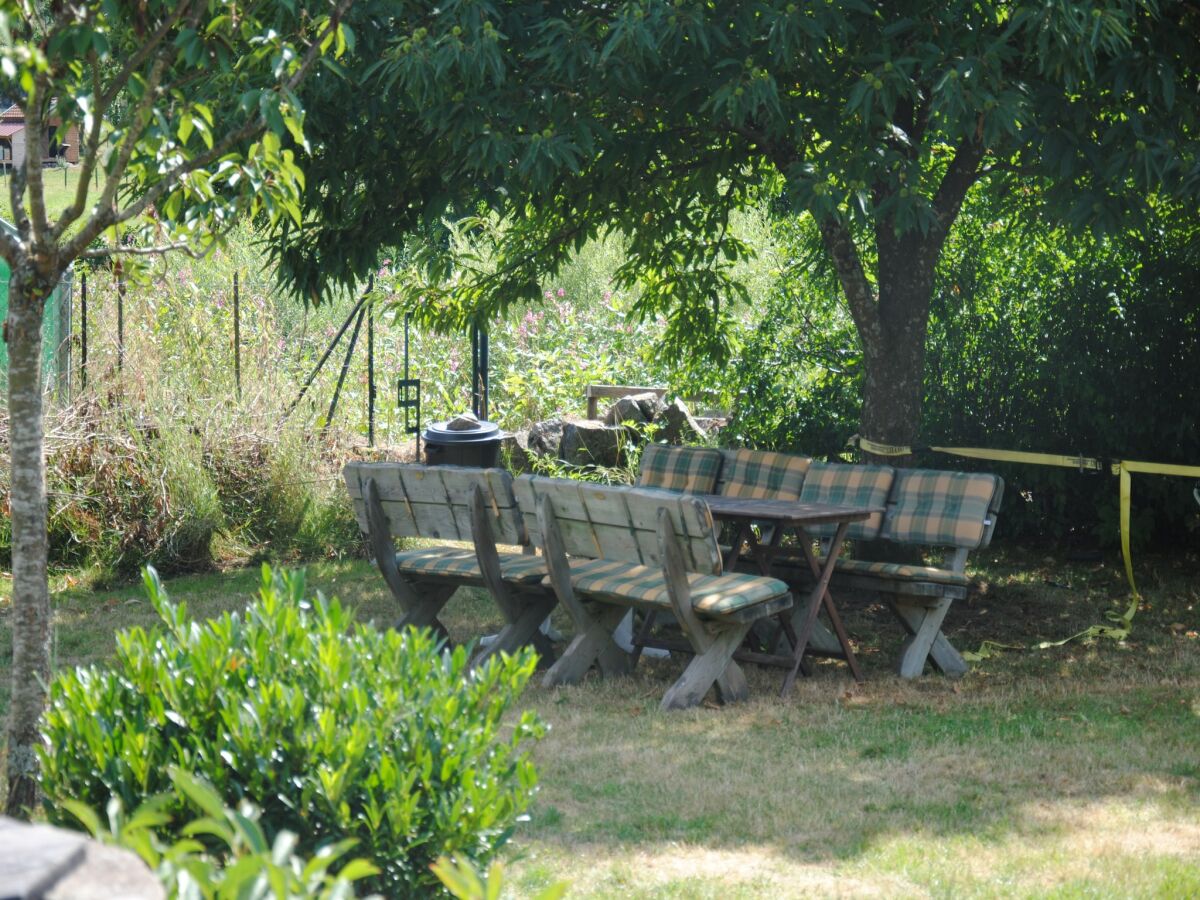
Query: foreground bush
[
  {"x": 242, "y": 863},
  {"x": 332, "y": 729}
]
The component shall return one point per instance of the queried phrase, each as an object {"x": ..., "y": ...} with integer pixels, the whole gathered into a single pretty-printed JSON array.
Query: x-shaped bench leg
[
  {"x": 423, "y": 603},
  {"x": 923, "y": 620},
  {"x": 523, "y": 629},
  {"x": 712, "y": 664},
  {"x": 592, "y": 644}
]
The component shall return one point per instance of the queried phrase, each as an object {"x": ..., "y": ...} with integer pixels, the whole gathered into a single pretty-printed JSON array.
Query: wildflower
[
  {"x": 454, "y": 362},
  {"x": 561, "y": 292},
  {"x": 549, "y": 295}
]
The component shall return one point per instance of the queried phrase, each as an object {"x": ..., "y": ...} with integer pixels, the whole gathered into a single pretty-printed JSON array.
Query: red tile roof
[{"x": 8, "y": 129}]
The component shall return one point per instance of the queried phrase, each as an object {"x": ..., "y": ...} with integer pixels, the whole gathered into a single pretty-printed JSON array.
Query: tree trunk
[
  {"x": 895, "y": 364},
  {"x": 30, "y": 591}
]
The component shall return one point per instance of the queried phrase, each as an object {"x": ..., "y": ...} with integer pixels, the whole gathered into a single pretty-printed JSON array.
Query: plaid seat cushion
[
  {"x": 692, "y": 470},
  {"x": 456, "y": 562},
  {"x": 941, "y": 509},
  {"x": 712, "y": 595},
  {"x": 900, "y": 571},
  {"x": 759, "y": 474},
  {"x": 848, "y": 485}
]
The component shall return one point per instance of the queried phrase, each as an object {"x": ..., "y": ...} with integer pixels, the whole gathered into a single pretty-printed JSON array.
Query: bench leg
[
  {"x": 711, "y": 665},
  {"x": 523, "y": 629},
  {"x": 923, "y": 621},
  {"x": 592, "y": 644},
  {"x": 426, "y": 602}
]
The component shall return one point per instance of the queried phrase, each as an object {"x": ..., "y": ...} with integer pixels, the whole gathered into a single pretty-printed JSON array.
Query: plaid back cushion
[
  {"x": 848, "y": 485},
  {"x": 689, "y": 469},
  {"x": 942, "y": 509},
  {"x": 760, "y": 474}
]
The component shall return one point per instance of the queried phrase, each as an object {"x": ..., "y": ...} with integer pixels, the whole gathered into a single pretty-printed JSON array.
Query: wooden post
[
  {"x": 83, "y": 332},
  {"x": 237, "y": 337},
  {"x": 370, "y": 374},
  {"x": 119, "y": 270}
]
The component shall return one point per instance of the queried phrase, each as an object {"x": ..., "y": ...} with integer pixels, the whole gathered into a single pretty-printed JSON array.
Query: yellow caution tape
[{"x": 1122, "y": 623}]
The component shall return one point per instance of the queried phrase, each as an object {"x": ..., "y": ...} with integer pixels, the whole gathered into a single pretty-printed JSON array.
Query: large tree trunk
[
  {"x": 894, "y": 364},
  {"x": 30, "y": 591}
]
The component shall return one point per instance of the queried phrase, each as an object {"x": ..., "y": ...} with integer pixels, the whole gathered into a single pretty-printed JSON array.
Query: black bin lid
[{"x": 438, "y": 433}]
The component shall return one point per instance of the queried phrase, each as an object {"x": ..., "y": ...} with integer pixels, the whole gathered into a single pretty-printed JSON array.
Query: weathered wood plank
[
  {"x": 704, "y": 669},
  {"x": 926, "y": 640},
  {"x": 433, "y": 501},
  {"x": 620, "y": 523},
  {"x": 731, "y": 683}
]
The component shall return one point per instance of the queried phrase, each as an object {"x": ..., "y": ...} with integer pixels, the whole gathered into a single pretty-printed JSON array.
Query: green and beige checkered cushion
[
  {"x": 461, "y": 563},
  {"x": 692, "y": 470},
  {"x": 940, "y": 509},
  {"x": 712, "y": 595},
  {"x": 848, "y": 485},
  {"x": 762, "y": 474},
  {"x": 900, "y": 572}
]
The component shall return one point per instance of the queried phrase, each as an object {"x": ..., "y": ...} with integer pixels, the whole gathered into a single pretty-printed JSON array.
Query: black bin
[{"x": 477, "y": 447}]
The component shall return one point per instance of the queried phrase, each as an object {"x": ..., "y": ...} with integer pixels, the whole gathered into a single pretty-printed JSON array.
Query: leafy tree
[
  {"x": 658, "y": 118},
  {"x": 184, "y": 107}
]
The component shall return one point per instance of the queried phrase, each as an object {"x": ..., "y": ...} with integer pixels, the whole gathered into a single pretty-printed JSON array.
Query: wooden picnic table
[{"x": 792, "y": 515}]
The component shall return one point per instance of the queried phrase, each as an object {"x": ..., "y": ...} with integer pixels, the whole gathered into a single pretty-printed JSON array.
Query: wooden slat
[
  {"x": 433, "y": 501},
  {"x": 620, "y": 523}
]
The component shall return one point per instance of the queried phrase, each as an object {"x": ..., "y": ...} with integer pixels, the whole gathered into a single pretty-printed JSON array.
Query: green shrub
[
  {"x": 244, "y": 863},
  {"x": 333, "y": 729}
]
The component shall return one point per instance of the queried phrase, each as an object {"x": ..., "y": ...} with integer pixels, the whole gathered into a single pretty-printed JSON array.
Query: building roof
[
  {"x": 13, "y": 113},
  {"x": 8, "y": 129}
]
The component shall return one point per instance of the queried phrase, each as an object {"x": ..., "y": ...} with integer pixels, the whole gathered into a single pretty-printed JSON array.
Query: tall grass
[{"x": 163, "y": 459}]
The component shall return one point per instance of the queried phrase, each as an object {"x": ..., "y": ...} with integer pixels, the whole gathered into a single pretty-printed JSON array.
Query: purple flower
[{"x": 561, "y": 292}]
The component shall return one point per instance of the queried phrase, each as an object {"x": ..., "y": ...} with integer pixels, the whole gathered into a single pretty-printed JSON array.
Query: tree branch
[
  {"x": 962, "y": 172},
  {"x": 106, "y": 217},
  {"x": 184, "y": 247},
  {"x": 860, "y": 295},
  {"x": 35, "y": 130}
]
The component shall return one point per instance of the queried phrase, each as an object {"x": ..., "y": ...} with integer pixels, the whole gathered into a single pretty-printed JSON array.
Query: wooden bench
[
  {"x": 609, "y": 549},
  {"x": 948, "y": 512},
  {"x": 940, "y": 513},
  {"x": 593, "y": 393},
  {"x": 448, "y": 503}
]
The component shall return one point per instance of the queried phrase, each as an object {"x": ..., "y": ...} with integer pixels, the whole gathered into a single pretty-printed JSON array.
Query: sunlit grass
[{"x": 1069, "y": 772}]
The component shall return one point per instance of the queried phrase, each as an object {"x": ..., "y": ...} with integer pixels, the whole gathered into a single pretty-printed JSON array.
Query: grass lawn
[
  {"x": 1070, "y": 771},
  {"x": 60, "y": 186}
]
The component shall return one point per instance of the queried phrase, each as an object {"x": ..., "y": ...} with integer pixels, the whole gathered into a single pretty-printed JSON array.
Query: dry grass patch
[{"x": 1068, "y": 772}]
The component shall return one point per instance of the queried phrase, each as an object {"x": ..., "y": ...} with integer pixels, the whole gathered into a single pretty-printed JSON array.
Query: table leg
[
  {"x": 835, "y": 618},
  {"x": 743, "y": 536},
  {"x": 816, "y": 600}
]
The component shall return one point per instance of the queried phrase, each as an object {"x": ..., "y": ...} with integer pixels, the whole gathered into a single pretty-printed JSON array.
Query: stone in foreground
[{"x": 40, "y": 862}]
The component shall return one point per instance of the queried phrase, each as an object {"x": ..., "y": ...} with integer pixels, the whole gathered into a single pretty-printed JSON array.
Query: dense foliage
[
  {"x": 332, "y": 729},
  {"x": 242, "y": 863},
  {"x": 1039, "y": 340}
]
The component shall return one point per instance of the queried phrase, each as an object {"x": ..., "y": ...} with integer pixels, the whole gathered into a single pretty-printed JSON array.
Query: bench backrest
[
  {"x": 762, "y": 474},
  {"x": 843, "y": 484},
  {"x": 942, "y": 509},
  {"x": 432, "y": 501},
  {"x": 693, "y": 470},
  {"x": 616, "y": 522}
]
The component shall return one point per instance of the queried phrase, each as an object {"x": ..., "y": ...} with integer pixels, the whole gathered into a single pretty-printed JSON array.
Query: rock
[
  {"x": 463, "y": 422},
  {"x": 588, "y": 443},
  {"x": 625, "y": 410},
  {"x": 515, "y": 453},
  {"x": 637, "y": 408},
  {"x": 678, "y": 425},
  {"x": 545, "y": 438},
  {"x": 56, "y": 864}
]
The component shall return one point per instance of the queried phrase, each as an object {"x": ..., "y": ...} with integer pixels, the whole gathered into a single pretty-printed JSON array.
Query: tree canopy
[{"x": 657, "y": 118}]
